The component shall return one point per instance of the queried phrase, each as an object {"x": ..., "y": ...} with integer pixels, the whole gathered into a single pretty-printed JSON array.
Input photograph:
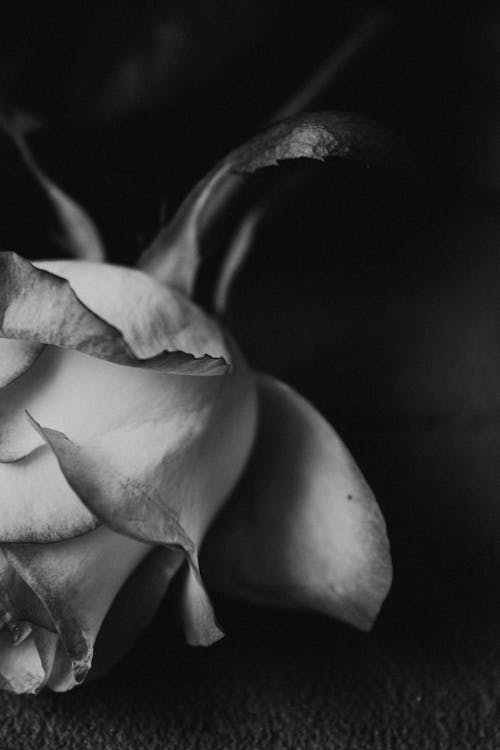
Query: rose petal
[
  {"x": 47, "y": 642},
  {"x": 134, "y": 607},
  {"x": 125, "y": 504},
  {"x": 61, "y": 677},
  {"x": 41, "y": 307},
  {"x": 87, "y": 396},
  {"x": 36, "y": 503},
  {"x": 21, "y": 669},
  {"x": 198, "y": 618},
  {"x": 164, "y": 481},
  {"x": 20, "y": 608},
  {"x": 135, "y": 510},
  {"x": 20, "y": 665},
  {"x": 77, "y": 581},
  {"x": 15, "y": 358},
  {"x": 303, "y": 529},
  {"x": 154, "y": 424},
  {"x": 152, "y": 319}
]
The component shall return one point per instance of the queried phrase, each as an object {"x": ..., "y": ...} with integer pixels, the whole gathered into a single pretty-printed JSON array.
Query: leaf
[
  {"x": 175, "y": 254},
  {"x": 302, "y": 529},
  {"x": 80, "y": 236},
  {"x": 158, "y": 328}
]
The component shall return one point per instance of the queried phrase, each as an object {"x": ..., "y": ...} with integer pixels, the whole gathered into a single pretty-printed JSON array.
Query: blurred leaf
[{"x": 78, "y": 233}]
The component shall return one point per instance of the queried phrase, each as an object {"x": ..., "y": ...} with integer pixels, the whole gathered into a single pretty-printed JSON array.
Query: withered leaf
[{"x": 175, "y": 254}]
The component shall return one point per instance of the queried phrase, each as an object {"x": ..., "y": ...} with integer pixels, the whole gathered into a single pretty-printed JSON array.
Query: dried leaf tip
[{"x": 175, "y": 255}]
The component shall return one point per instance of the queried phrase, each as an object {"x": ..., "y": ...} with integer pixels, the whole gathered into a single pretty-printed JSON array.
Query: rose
[
  {"x": 153, "y": 455},
  {"x": 128, "y": 417},
  {"x": 136, "y": 424}
]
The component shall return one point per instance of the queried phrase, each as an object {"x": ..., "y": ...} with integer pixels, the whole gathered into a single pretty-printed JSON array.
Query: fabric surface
[{"x": 286, "y": 682}]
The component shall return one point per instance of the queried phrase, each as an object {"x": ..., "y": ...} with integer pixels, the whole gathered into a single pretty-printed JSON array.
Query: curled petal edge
[
  {"x": 302, "y": 529},
  {"x": 41, "y": 307}
]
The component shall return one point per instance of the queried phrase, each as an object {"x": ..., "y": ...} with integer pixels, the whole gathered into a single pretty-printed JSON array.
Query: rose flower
[{"x": 131, "y": 423}]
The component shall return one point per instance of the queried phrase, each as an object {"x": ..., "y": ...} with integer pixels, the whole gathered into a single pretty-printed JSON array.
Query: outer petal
[
  {"x": 303, "y": 528},
  {"x": 152, "y": 318},
  {"x": 134, "y": 607},
  {"x": 46, "y": 643},
  {"x": 77, "y": 581},
  {"x": 163, "y": 482},
  {"x": 138, "y": 510},
  {"x": 170, "y": 331}
]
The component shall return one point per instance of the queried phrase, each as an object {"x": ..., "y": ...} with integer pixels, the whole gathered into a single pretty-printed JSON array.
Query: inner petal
[
  {"x": 85, "y": 397},
  {"x": 36, "y": 502},
  {"x": 21, "y": 669},
  {"x": 16, "y": 357}
]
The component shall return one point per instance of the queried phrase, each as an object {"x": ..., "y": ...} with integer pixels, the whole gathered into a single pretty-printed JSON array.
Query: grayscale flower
[{"x": 131, "y": 425}]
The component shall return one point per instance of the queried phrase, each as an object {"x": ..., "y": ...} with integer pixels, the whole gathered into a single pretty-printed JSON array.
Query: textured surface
[{"x": 281, "y": 683}]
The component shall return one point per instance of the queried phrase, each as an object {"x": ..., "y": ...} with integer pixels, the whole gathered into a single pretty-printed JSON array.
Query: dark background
[{"x": 376, "y": 298}]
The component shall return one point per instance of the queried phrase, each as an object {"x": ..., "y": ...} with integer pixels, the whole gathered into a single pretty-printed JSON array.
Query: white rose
[{"x": 128, "y": 419}]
